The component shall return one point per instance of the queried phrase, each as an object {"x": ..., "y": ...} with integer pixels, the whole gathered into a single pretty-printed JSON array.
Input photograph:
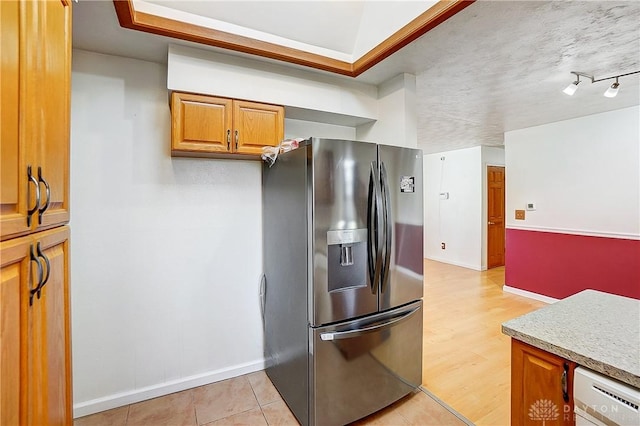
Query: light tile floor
[{"x": 252, "y": 400}]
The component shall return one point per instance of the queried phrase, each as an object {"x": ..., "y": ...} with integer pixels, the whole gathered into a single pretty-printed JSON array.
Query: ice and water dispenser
[{"x": 347, "y": 258}]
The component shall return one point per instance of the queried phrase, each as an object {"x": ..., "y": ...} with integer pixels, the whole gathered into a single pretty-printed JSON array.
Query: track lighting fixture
[{"x": 611, "y": 91}]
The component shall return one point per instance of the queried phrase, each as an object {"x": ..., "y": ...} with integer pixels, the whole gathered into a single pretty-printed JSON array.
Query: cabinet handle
[
  {"x": 46, "y": 261},
  {"x": 33, "y": 179},
  {"x": 236, "y": 140},
  {"x": 47, "y": 188},
  {"x": 565, "y": 384},
  {"x": 33, "y": 258},
  {"x": 228, "y": 139}
]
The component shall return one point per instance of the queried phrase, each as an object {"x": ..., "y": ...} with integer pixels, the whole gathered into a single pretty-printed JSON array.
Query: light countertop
[{"x": 597, "y": 330}]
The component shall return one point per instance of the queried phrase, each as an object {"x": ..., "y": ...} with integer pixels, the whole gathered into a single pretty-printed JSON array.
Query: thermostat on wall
[{"x": 531, "y": 206}]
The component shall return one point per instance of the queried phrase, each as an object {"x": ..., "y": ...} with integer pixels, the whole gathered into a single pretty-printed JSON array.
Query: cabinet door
[
  {"x": 53, "y": 110},
  {"x": 200, "y": 124},
  {"x": 541, "y": 387},
  {"x": 36, "y": 58},
  {"x": 256, "y": 125},
  {"x": 48, "y": 337},
  {"x": 14, "y": 284},
  {"x": 13, "y": 175}
]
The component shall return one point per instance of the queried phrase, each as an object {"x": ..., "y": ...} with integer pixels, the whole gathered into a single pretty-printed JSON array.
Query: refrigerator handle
[
  {"x": 337, "y": 335},
  {"x": 374, "y": 228},
  {"x": 388, "y": 226},
  {"x": 263, "y": 294}
]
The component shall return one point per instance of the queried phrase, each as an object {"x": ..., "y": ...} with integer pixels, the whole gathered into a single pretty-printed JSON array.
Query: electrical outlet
[
  {"x": 443, "y": 246},
  {"x": 519, "y": 214}
]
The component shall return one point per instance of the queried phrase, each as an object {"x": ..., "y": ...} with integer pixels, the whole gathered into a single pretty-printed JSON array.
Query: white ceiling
[
  {"x": 495, "y": 66},
  {"x": 343, "y": 30}
]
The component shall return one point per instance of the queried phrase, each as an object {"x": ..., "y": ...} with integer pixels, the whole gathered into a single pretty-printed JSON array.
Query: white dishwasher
[{"x": 602, "y": 401}]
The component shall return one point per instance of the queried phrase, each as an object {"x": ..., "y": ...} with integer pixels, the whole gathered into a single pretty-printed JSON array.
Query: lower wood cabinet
[
  {"x": 541, "y": 387},
  {"x": 208, "y": 126},
  {"x": 35, "y": 350}
]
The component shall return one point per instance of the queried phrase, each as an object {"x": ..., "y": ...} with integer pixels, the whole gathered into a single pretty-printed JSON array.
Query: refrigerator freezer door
[
  {"x": 362, "y": 366},
  {"x": 401, "y": 172},
  {"x": 342, "y": 180}
]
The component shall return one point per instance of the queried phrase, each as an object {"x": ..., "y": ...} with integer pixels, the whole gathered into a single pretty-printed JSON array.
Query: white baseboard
[
  {"x": 452, "y": 262},
  {"x": 529, "y": 294},
  {"x": 136, "y": 395}
]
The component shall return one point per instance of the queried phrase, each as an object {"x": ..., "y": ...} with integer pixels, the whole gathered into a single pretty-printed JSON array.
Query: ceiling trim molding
[
  {"x": 130, "y": 18},
  {"x": 141, "y": 21},
  {"x": 425, "y": 22}
]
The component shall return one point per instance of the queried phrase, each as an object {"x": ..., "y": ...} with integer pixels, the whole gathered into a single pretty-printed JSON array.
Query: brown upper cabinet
[
  {"x": 35, "y": 103},
  {"x": 207, "y": 126}
]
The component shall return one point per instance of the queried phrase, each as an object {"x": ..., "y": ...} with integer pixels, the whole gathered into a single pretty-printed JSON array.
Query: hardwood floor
[{"x": 466, "y": 357}]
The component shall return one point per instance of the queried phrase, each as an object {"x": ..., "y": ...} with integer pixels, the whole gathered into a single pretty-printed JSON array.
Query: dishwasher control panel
[{"x": 603, "y": 401}]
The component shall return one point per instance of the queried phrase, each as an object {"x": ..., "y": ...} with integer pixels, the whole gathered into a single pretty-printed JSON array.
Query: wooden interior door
[
  {"x": 495, "y": 216},
  {"x": 257, "y": 125}
]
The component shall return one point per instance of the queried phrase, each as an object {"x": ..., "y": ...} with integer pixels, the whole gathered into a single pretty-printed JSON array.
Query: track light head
[
  {"x": 571, "y": 89},
  {"x": 613, "y": 90}
]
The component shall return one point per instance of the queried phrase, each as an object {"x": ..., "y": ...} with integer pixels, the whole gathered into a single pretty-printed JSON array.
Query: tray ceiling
[{"x": 493, "y": 67}]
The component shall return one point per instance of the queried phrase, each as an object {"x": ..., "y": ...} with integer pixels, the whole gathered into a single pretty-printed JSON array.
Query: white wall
[
  {"x": 166, "y": 252},
  {"x": 583, "y": 175},
  {"x": 397, "y": 122},
  {"x": 384, "y": 114},
  {"x": 304, "y": 129},
  {"x": 202, "y": 71},
  {"x": 456, "y": 221}
]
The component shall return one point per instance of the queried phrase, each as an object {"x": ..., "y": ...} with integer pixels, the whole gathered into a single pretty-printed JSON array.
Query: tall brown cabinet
[{"x": 35, "y": 350}]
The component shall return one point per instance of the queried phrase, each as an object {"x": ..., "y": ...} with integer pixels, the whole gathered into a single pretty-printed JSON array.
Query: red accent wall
[{"x": 559, "y": 265}]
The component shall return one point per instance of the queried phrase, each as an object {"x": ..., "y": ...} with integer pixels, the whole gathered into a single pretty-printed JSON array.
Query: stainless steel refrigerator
[{"x": 343, "y": 277}]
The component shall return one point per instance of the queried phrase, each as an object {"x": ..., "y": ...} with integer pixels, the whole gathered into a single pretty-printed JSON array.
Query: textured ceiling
[
  {"x": 500, "y": 66},
  {"x": 495, "y": 66}
]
